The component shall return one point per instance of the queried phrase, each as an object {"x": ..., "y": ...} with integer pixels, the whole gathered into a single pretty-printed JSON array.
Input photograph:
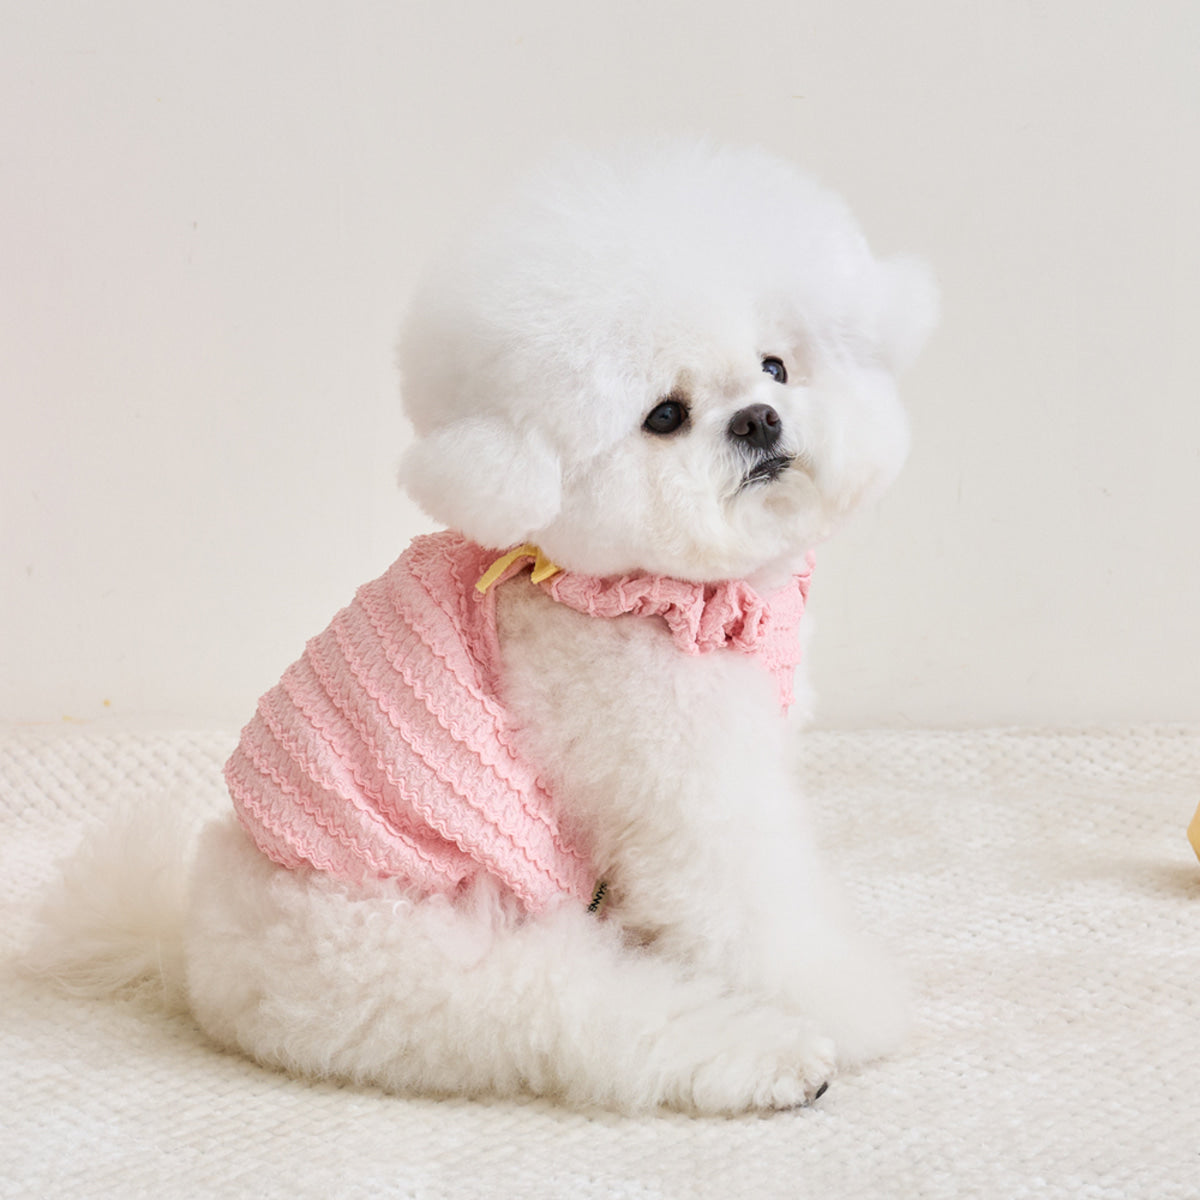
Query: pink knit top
[{"x": 386, "y": 751}]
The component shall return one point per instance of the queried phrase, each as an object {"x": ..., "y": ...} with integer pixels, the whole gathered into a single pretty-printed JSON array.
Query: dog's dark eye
[
  {"x": 665, "y": 417},
  {"x": 775, "y": 368}
]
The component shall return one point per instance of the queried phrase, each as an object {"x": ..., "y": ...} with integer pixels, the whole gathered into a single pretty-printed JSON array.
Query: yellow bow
[{"x": 543, "y": 568}]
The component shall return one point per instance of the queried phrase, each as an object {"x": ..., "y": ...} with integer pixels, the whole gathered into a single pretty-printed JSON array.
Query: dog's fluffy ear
[
  {"x": 909, "y": 310},
  {"x": 486, "y": 479}
]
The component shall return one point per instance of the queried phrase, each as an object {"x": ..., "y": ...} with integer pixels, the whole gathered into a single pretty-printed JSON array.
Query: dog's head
[{"x": 680, "y": 361}]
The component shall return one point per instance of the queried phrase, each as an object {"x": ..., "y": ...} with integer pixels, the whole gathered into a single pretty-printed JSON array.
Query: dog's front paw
[{"x": 760, "y": 1059}]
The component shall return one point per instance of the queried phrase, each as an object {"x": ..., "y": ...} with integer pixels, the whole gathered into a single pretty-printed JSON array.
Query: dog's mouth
[{"x": 766, "y": 471}]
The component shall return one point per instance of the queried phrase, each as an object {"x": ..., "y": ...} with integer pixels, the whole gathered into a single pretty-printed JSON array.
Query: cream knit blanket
[{"x": 1038, "y": 887}]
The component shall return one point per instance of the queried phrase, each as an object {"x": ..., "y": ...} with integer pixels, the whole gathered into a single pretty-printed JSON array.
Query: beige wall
[{"x": 209, "y": 214}]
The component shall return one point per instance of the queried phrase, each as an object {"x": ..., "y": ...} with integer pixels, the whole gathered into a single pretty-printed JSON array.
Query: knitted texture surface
[
  {"x": 387, "y": 751},
  {"x": 1038, "y": 888}
]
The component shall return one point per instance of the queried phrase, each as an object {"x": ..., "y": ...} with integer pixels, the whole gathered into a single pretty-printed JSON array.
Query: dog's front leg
[{"x": 756, "y": 904}]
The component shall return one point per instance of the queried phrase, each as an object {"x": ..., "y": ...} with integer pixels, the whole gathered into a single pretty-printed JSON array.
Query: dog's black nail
[{"x": 820, "y": 1091}]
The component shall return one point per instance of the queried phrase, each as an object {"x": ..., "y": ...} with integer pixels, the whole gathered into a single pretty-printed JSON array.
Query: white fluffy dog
[{"x": 670, "y": 369}]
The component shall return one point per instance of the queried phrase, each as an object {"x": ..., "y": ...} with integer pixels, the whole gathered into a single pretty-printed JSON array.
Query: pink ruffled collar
[{"x": 702, "y": 617}]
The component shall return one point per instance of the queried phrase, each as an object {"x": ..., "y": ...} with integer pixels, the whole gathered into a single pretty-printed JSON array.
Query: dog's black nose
[{"x": 758, "y": 426}]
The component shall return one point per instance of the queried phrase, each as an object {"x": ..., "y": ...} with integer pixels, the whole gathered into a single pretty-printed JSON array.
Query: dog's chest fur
[{"x": 669, "y": 768}]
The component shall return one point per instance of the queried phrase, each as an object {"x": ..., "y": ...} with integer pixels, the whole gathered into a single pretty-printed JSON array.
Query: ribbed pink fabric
[{"x": 385, "y": 750}]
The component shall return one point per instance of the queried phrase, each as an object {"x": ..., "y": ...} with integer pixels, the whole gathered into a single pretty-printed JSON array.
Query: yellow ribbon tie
[
  {"x": 1194, "y": 833},
  {"x": 543, "y": 568}
]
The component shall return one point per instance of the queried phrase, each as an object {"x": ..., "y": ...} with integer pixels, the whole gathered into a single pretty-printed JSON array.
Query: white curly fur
[{"x": 721, "y": 976}]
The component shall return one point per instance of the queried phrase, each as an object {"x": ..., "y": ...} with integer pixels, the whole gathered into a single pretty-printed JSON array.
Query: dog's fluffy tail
[{"x": 113, "y": 924}]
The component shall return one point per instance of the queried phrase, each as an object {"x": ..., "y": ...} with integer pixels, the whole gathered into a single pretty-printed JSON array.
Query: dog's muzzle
[{"x": 756, "y": 431}]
